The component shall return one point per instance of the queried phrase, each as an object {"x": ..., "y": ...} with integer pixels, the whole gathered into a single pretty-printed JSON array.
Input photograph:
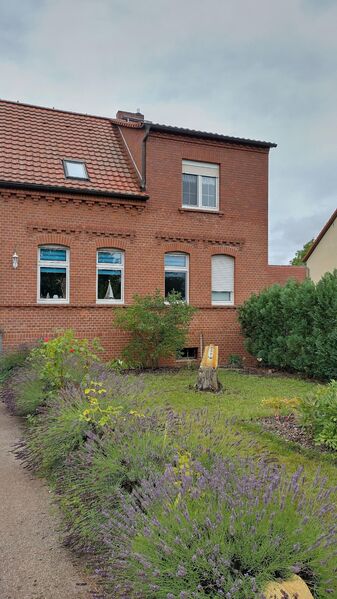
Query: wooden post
[{"x": 208, "y": 371}]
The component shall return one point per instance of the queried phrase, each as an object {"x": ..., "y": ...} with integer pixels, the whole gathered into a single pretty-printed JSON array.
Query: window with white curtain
[
  {"x": 200, "y": 185},
  {"x": 110, "y": 276},
  {"x": 176, "y": 274},
  {"x": 53, "y": 275},
  {"x": 222, "y": 280}
]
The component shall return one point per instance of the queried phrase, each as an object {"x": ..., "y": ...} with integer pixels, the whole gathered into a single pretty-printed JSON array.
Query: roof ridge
[{"x": 61, "y": 110}]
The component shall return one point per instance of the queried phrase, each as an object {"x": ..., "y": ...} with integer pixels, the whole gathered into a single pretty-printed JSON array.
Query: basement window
[
  {"x": 75, "y": 169},
  {"x": 188, "y": 353}
]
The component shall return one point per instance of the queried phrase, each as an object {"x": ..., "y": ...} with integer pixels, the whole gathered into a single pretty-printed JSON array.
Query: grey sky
[{"x": 263, "y": 69}]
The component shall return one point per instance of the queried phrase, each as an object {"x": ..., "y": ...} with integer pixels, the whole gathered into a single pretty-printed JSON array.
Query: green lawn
[{"x": 240, "y": 400}]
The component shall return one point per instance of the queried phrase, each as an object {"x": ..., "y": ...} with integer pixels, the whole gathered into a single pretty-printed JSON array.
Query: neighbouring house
[
  {"x": 94, "y": 210},
  {"x": 322, "y": 256}
]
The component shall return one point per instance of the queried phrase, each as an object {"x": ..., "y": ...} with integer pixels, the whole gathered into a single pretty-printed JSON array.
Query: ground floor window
[
  {"x": 53, "y": 274},
  {"x": 222, "y": 280},
  {"x": 110, "y": 276},
  {"x": 176, "y": 274}
]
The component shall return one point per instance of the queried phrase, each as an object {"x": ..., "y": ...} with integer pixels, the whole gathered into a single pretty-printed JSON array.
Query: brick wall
[{"x": 144, "y": 231}]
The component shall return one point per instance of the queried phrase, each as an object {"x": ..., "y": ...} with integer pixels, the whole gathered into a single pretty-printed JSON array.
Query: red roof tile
[{"x": 35, "y": 140}]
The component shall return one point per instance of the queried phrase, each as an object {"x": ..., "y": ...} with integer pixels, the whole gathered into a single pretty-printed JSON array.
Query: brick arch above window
[
  {"x": 223, "y": 251},
  {"x": 112, "y": 244},
  {"x": 178, "y": 247},
  {"x": 52, "y": 239}
]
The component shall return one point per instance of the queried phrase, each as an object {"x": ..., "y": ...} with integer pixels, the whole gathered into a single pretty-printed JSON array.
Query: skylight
[{"x": 75, "y": 169}]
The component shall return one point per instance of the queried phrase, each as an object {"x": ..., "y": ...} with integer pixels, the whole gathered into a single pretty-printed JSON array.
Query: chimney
[{"x": 130, "y": 116}]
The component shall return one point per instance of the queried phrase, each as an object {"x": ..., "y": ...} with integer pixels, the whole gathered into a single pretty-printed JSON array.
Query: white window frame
[
  {"x": 185, "y": 269},
  {"x": 201, "y": 169},
  {"x": 53, "y": 264},
  {"x": 110, "y": 266},
  {"x": 228, "y": 302}
]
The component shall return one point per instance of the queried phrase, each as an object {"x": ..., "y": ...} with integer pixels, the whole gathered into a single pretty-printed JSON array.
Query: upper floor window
[
  {"x": 75, "y": 169},
  {"x": 176, "y": 274},
  {"x": 53, "y": 274},
  {"x": 222, "y": 280},
  {"x": 110, "y": 276},
  {"x": 200, "y": 185}
]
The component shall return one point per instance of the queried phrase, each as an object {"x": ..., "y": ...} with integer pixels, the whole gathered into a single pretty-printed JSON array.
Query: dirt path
[{"x": 33, "y": 563}]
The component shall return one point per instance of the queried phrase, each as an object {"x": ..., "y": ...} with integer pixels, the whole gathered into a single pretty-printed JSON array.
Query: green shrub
[
  {"x": 158, "y": 328},
  {"x": 28, "y": 391},
  {"x": 12, "y": 359},
  {"x": 319, "y": 412},
  {"x": 235, "y": 361},
  {"x": 55, "y": 433},
  {"x": 294, "y": 327},
  {"x": 63, "y": 359}
]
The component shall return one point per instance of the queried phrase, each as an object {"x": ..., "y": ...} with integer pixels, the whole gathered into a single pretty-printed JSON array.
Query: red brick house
[{"x": 96, "y": 209}]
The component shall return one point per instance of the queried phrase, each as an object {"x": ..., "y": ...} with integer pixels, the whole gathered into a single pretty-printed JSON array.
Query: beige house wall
[{"x": 324, "y": 257}]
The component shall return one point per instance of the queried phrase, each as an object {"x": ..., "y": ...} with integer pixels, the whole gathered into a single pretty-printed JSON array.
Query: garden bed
[{"x": 289, "y": 429}]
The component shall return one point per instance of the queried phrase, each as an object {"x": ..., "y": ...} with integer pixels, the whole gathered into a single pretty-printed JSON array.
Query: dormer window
[
  {"x": 200, "y": 185},
  {"x": 75, "y": 169}
]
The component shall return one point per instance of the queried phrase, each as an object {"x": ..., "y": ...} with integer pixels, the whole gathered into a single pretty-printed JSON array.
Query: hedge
[{"x": 294, "y": 327}]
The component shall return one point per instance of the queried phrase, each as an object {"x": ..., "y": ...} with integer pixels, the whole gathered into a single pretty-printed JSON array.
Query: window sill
[
  {"x": 202, "y": 211},
  {"x": 53, "y": 302},
  {"x": 109, "y": 303}
]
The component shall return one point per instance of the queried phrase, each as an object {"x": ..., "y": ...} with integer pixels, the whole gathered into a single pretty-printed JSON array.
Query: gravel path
[{"x": 33, "y": 563}]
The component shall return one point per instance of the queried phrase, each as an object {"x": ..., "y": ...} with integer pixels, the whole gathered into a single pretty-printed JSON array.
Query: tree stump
[
  {"x": 208, "y": 379},
  {"x": 208, "y": 371}
]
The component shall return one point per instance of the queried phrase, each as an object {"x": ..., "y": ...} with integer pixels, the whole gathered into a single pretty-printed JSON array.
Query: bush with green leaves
[
  {"x": 294, "y": 327},
  {"x": 223, "y": 532},
  {"x": 318, "y": 411},
  {"x": 158, "y": 328},
  {"x": 63, "y": 358}
]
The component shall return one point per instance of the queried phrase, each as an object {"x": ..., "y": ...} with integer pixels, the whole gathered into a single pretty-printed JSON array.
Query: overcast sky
[{"x": 264, "y": 69}]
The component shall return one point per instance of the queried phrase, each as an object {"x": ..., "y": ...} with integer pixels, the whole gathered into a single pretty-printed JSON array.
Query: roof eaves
[
  {"x": 321, "y": 235},
  {"x": 207, "y": 135},
  {"x": 72, "y": 190}
]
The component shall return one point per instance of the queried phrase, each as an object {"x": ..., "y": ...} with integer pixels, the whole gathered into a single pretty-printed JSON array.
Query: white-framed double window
[
  {"x": 222, "y": 280},
  {"x": 53, "y": 275},
  {"x": 200, "y": 181},
  {"x": 177, "y": 274},
  {"x": 110, "y": 276}
]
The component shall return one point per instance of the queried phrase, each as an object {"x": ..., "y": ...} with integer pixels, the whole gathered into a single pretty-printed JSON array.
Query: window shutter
[{"x": 222, "y": 273}]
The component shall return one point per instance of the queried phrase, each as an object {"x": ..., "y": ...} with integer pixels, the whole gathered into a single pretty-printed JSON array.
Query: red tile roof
[{"x": 35, "y": 140}]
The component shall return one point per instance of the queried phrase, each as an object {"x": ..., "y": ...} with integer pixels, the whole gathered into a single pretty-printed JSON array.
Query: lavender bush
[{"x": 223, "y": 532}]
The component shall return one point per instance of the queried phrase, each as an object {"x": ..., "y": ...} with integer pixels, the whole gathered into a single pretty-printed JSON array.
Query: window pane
[
  {"x": 109, "y": 285},
  {"x": 175, "y": 281},
  {"x": 53, "y": 283},
  {"x": 190, "y": 190},
  {"x": 175, "y": 260},
  {"x": 75, "y": 169},
  {"x": 221, "y": 296},
  {"x": 107, "y": 257},
  {"x": 55, "y": 254},
  {"x": 209, "y": 192}
]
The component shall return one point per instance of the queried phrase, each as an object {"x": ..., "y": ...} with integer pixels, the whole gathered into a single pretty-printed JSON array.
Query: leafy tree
[
  {"x": 300, "y": 254},
  {"x": 158, "y": 328}
]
